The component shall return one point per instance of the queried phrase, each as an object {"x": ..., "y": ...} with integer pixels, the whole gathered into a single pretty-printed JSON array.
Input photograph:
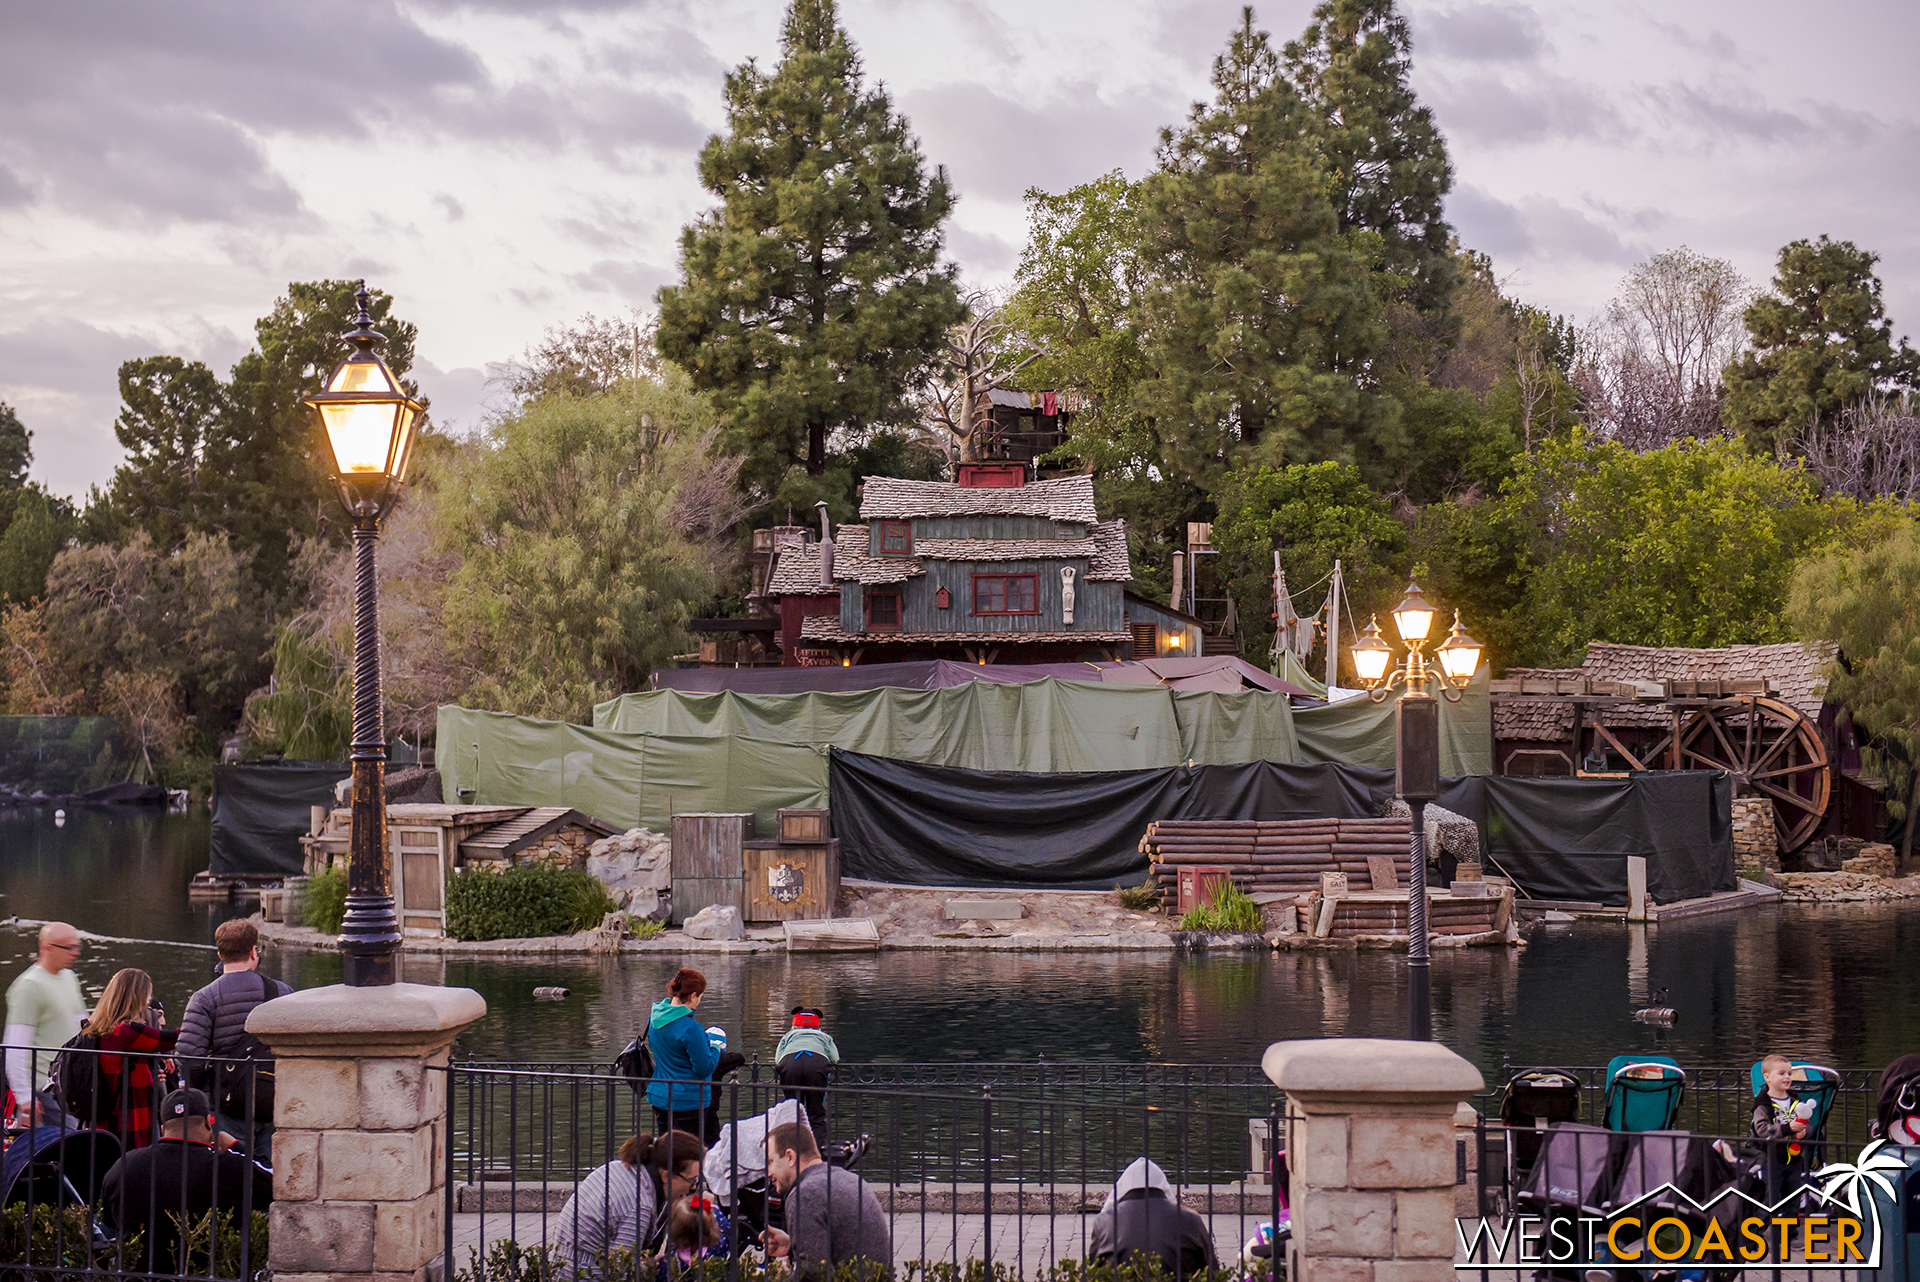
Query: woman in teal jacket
[{"x": 683, "y": 1057}]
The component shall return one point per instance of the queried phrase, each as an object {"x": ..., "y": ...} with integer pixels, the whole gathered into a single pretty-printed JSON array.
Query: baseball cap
[{"x": 185, "y": 1102}]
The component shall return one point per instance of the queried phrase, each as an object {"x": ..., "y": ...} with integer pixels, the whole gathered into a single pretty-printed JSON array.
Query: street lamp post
[
  {"x": 1416, "y": 756},
  {"x": 369, "y": 422}
]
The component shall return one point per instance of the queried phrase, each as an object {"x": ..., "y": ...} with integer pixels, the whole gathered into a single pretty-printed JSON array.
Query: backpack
[
  {"x": 249, "y": 1072},
  {"x": 635, "y": 1063},
  {"x": 87, "y": 1095}
]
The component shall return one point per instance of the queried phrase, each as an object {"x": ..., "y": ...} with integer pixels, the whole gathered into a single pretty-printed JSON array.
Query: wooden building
[{"x": 990, "y": 568}]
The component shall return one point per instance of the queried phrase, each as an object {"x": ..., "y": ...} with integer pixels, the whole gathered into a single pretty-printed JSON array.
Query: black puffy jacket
[
  {"x": 1148, "y": 1222},
  {"x": 215, "y": 1024}
]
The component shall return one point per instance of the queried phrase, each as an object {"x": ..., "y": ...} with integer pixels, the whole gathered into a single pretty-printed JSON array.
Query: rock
[
  {"x": 1755, "y": 838},
  {"x": 1874, "y": 860},
  {"x": 645, "y": 902},
  {"x": 635, "y": 860},
  {"x": 716, "y": 921}
]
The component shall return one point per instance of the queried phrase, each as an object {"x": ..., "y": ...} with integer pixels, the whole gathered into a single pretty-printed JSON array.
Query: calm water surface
[{"x": 1820, "y": 983}]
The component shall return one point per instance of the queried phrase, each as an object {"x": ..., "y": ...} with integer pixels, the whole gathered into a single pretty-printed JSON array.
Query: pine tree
[
  {"x": 1388, "y": 161},
  {"x": 1260, "y": 321},
  {"x": 16, "y": 449},
  {"x": 1821, "y": 342},
  {"x": 813, "y": 299}
]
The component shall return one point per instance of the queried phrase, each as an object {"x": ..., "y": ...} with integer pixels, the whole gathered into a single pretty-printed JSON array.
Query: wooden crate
[
  {"x": 1197, "y": 884},
  {"x": 707, "y": 845},
  {"x": 800, "y": 827},
  {"x": 786, "y": 882}
]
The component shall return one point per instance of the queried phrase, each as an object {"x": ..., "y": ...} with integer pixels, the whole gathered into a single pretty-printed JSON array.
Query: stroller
[
  {"x": 1534, "y": 1100},
  {"x": 1644, "y": 1093},
  {"x": 51, "y": 1166},
  {"x": 736, "y": 1169},
  {"x": 1816, "y": 1082},
  {"x": 1782, "y": 1163}
]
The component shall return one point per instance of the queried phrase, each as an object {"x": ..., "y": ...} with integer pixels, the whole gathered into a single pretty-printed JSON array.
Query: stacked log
[
  {"x": 1280, "y": 855},
  {"x": 1445, "y": 916}
]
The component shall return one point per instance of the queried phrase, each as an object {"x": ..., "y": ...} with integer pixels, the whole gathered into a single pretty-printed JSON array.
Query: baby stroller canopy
[
  {"x": 1811, "y": 1081},
  {"x": 1644, "y": 1093},
  {"x": 48, "y": 1166}
]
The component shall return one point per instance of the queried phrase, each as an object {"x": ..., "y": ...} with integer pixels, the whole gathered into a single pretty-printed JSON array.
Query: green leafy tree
[
  {"x": 172, "y": 414},
  {"x": 1821, "y": 342},
  {"x": 1385, "y": 156},
  {"x": 1690, "y": 545},
  {"x": 1260, "y": 323},
  {"x": 812, "y": 299},
  {"x": 585, "y": 533},
  {"x": 1312, "y": 515},
  {"x": 39, "y": 526},
  {"x": 16, "y": 448},
  {"x": 1864, "y": 599}
]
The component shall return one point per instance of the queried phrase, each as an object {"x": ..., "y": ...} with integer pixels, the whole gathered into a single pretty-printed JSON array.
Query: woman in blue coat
[{"x": 683, "y": 1057}]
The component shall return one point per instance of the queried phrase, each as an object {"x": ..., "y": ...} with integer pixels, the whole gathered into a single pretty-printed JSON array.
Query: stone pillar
[
  {"x": 360, "y": 1139},
  {"x": 1370, "y": 1149}
]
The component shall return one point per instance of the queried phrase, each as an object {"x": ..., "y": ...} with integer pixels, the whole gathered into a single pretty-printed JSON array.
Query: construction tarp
[
  {"x": 1044, "y": 726},
  {"x": 260, "y": 812},
  {"x": 1558, "y": 838},
  {"x": 1359, "y": 732},
  {"x": 934, "y": 674},
  {"x": 626, "y": 780}
]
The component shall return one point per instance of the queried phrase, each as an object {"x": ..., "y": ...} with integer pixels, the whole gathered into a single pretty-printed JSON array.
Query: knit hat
[
  {"x": 806, "y": 1017},
  {"x": 185, "y": 1102}
]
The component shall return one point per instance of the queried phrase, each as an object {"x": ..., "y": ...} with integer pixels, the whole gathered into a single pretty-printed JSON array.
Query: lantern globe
[
  {"x": 1371, "y": 655},
  {"x": 369, "y": 420},
  {"x": 1413, "y": 617},
  {"x": 1459, "y": 654}
]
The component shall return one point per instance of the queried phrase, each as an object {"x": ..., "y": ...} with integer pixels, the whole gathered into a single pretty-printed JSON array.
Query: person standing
[
  {"x": 684, "y": 1058},
  {"x": 219, "y": 1056},
  {"x": 804, "y": 1061},
  {"x": 44, "y": 1011},
  {"x": 130, "y": 1035},
  {"x": 833, "y": 1218}
]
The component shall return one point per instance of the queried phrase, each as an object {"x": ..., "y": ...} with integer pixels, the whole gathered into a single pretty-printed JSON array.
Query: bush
[
  {"x": 56, "y": 1239},
  {"x": 323, "y": 904},
  {"x": 1227, "y": 911},
  {"x": 524, "y": 902},
  {"x": 1144, "y": 898},
  {"x": 646, "y": 927}
]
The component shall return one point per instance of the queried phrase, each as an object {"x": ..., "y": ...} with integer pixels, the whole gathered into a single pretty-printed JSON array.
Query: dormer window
[{"x": 896, "y": 538}]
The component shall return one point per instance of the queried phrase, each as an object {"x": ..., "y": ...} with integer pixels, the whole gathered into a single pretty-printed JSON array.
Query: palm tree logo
[{"x": 1845, "y": 1181}]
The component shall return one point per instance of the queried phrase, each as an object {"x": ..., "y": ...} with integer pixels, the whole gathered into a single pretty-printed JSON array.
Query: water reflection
[{"x": 1819, "y": 983}]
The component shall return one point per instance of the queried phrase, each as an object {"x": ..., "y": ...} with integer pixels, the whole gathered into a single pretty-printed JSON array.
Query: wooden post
[{"x": 1636, "y": 888}]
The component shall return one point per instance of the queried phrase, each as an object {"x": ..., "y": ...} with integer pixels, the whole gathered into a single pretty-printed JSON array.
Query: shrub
[
  {"x": 324, "y": 902},
  {"x": 57, "y": 1239},
  {"x": 1227, "y": 911},
  {"x": 646, "y": 927},
  {"x": 1144, "y": 898},
  {"x": 524, "y": 902}
]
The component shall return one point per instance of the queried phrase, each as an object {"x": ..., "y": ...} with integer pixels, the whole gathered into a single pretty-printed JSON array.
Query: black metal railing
[{"x": 96, "y": 1179}]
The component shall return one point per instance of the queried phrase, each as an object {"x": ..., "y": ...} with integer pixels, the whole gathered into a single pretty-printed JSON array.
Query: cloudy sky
[{"x": 505, "y": 166}]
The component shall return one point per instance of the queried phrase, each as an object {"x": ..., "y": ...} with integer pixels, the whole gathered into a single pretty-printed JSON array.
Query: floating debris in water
[
  {"x": 551, "y": 994},
  {"x": 1658, "y": 1013}
]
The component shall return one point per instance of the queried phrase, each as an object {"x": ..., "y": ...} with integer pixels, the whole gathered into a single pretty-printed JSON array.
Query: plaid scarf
[{"x": 127, "y": 1062}]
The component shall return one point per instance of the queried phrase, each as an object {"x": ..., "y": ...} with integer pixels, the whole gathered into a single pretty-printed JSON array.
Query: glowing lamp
[
  {"x": 369, "y": 420},
  {"x": 1371, "y": 655},
  {"x": 1459, "y": 654},
  {"x": 1413, "y": 617}
]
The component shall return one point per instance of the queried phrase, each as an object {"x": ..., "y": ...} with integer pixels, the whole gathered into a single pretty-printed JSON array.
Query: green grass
[
  {"x": 1227, "y": 911},
  {"x": 1144, "y": 898}
]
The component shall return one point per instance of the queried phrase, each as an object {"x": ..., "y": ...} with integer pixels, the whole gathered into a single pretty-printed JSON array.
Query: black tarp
[
  {"x": 940, "y": 826},
  {"x": 261, "y": 811}
]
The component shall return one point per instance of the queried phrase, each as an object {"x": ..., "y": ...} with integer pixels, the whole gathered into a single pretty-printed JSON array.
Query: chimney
[{"x": 826, "y": 550}]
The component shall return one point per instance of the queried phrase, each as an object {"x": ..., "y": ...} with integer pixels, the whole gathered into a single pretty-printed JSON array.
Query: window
[
  {"x": 883, "y": 611},
  {"x": 1006, "y": 594},
  {"x": 896, "y": 538}
]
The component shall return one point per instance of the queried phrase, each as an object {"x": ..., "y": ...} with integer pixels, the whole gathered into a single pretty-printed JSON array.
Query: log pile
[
  {"x": 1381, "y": 915},
  {"x": 1281, "y": 855}
]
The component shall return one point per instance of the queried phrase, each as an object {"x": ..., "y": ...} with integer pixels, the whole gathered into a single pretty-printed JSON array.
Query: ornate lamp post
[
  {"x": 1416, "y": 756},
  {"x": 370, "y": 424}
]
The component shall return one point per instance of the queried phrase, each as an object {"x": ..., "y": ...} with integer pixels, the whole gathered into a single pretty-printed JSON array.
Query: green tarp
[
  {"x": 628, "y": 780},
  {"x": 1359, "y": 732}
]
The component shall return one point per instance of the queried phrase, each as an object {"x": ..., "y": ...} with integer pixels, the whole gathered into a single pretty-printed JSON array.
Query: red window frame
[
  {"x": 896, "y": 538},
  {"x": 887, "y": 594},
  {"x": 1005, "y": 581}
]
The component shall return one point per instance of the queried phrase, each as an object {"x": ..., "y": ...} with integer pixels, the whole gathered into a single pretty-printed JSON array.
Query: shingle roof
[
  {"x": 797, "y": 572},
  {"x": 827, "y": 628},
  {"x": 1794, "y": 669},
  {"x": 1110, "y": 562},
  {"x": 1066, "y": 498},
  {"x": 1005, "y": 549},
  {"x": 851, "y": 564}
]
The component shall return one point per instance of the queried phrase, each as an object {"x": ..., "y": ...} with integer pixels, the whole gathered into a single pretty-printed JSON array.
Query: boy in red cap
[{"x": 804, "y": 1060}]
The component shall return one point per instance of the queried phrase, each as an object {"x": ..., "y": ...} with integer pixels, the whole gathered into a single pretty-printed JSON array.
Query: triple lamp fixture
[{"x": 1459, "y": 654}]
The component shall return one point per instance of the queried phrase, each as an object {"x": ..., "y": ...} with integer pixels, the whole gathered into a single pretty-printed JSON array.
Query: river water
[{"x": 1820, "y": 983}]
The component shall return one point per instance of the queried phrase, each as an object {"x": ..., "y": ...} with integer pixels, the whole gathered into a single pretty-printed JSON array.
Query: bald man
[{"x": 44, "y": 1010}]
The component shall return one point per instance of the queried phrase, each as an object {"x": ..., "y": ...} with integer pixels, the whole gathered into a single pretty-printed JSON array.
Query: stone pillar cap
[
  {"x": 1365, "y": 1065},
  {"x": 387, "y": 1013}
]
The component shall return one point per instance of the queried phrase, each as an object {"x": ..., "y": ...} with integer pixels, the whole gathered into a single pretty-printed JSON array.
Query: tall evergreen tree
[
  {"x": 1387, "y": 159},
  {"x": 1260, "y": 321},
  {"x": 813, "y": 299},
  {"x": 1821, "y": 342},
  {"x": 16, "y": 448}
]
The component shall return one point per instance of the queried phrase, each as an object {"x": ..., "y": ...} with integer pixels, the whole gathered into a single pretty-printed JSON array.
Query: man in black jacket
[
  {"x": 188, "y": 1171},
  {"x": 1143, "y": 1219},
  {"x": 232, "y": 1066}
]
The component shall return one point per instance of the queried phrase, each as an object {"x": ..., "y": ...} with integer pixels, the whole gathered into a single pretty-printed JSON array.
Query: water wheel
[{"x": 1772, "y": 750}]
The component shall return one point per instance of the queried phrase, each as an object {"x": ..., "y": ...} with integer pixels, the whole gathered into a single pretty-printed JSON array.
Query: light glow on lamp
[
  {"x": 1413, "y": 617},
  {"x": 370, "y": 421},
  {"x": 1371, "y": 655},
  {"x": 1459, "y": 654}
]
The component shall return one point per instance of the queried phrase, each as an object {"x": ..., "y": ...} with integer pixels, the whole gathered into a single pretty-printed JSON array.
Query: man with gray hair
[{"x": 44, "y": 1011}]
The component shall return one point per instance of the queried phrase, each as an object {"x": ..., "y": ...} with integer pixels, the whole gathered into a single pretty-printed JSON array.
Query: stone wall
[
  {"x": 1756, "y": 841},
  {"x": 564, "y": 849}
]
